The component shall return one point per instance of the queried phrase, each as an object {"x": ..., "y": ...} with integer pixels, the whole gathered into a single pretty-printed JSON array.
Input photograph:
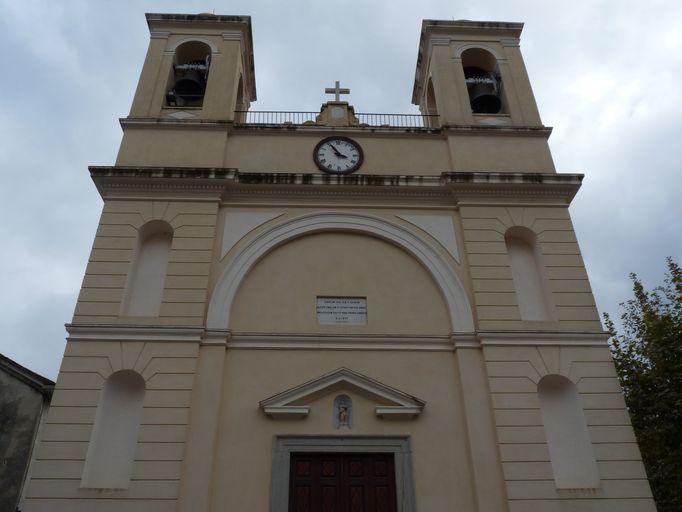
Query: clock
[{"x": 338, "y": 155}]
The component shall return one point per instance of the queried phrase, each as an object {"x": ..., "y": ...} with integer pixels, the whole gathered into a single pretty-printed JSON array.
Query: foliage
[{"x": 648, "y": 357}]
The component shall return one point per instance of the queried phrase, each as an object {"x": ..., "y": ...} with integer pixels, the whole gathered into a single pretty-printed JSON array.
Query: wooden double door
[{"x": 342, "y": 482}]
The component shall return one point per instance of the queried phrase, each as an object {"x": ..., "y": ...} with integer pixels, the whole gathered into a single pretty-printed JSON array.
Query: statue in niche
[{"x": 343, "y": 412}]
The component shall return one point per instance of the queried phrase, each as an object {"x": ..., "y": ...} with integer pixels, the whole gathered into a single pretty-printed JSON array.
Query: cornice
[{"x": 229, "y": 184}]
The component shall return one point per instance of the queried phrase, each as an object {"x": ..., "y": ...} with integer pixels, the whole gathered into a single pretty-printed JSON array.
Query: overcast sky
[{"x": 606, "y": 75}]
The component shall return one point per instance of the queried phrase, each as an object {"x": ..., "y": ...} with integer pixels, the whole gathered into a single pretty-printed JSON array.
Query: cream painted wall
[
  {"x": 279, "y": 294},
  {"x": 438, "y": 436}
]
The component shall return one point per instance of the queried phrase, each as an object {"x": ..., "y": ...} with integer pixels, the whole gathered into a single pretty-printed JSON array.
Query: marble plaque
[{"x": 342, "y": 310}]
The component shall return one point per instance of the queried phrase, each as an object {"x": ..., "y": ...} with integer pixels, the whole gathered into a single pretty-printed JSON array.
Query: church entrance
[{"x": 342, "y": 482}]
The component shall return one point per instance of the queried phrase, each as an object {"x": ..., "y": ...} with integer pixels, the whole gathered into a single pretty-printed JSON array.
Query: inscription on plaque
[{"x": 342, "y": 310}]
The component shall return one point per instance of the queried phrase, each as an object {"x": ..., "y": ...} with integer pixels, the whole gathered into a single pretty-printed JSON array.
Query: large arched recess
[{"x": 226, "y": 288}]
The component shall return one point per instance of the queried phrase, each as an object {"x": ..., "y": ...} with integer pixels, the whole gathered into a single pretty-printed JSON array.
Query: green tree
[{"x": 648, "y": 356}]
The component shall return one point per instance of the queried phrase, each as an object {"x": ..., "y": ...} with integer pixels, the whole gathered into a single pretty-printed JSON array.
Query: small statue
[
  {"x": 343, "y": 416},
  {"x": 343, "y": 412}
]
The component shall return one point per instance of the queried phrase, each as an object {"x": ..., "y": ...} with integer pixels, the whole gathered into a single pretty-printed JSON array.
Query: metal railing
[{"x": 299, "y": 118}]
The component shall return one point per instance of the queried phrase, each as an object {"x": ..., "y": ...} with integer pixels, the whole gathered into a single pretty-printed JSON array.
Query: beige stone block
[
  {"x": 156, "y": 470},
  {"x": 516, "y": 418},
  {"x": 562, "y": 237},
  {"x": 583, "y": 505},
  {"x": 194, "y": 256},
  {"x": 111, "y": 255},
  {"x": 500, "y": 325},
  {"x": 127, "y": 206},
  {"x": 75, "y": 397},
  {"x": 542, "y": 225},
  {"x": 97, "y": 308},
  {"x": 562, "y": 260},
  {"x": 187, "y": 269},
  {"x": 495, "y": 299},
  {"x": 573, "y": 299},
  {"x": 611, "y": 434},
  {"x": 621, "y": 470},
  {"x": 513, "y": 369},
  {"x": 141, "y": 489},
  {"x": 515, "y": 401},
  {"x": 570, "y": 286},
  {"x": 485, "y": 212},
  {"x": 493, "y": 224},
  {"x": 607, "y": 417},
  {"x": 521, "y": 435},
  {"x": 496, "y": 247},
  {"x": 60, "y": 432},
  {"x": 494, "y": 285},
  {"x": 192, "y": 244},
  {"x": 193, "y": 219},
  {"x": 498, "y": 312},
  {"x": 171, "y": 381},
  {"x": 564, "y": 273},
  {"x": 90, "y": 380},
  {"x": 185, "y": 309},
  {"x": 118, "y": 243},
  {"x": 162, "y": 433},
  {"x": 488, "y": 260},
  {"x": 60, "y": 450},
  {"x": 103, "y": 281},
  {"x": 603, "y": 401},
  {"x": 168, "y": 365},
  {"x": 617, "y": 451},
  {"x": 195, "y": 232},
  {"x": 165, "y": 416},
  {"x": 72, "y": 415},
  {"x": 159, "y": 451},
  {"x": 98, "y": 505},
  {"x": 511, "y": 385},
  {"x": 546, "y": 489},
  {"x": 585, "y": 313},
  {"x": 490, "y": 272},
  {"x": 184, "y": 296},
  {"x": 527, "y": 471},
  {"x": 101, "y": 295},
  {"x": 167, "y": 398},
  {"x": 581, "y": 369},
  {"x": 95, "y": 320},
  {"x": 116, "y": 231},
  {"x": 558, "y": 248},
  {"x": 108, "y": 268},
  {"x": 483, "y": 235},
  {"x": 186, "y": 282},
  {"x": 124, "y": 218},
  {"x": 58, "y": 469},
  {"x": 524, "y": 452},
  {"x": 599, "y": 385}
]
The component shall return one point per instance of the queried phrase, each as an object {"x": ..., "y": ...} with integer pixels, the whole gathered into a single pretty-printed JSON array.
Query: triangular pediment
[{"x": 295, "y": 402}]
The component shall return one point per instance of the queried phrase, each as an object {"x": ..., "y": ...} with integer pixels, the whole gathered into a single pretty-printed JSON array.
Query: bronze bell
[
  {"x": 483, "y": 89},
  {"x": 191, "y": 85}
]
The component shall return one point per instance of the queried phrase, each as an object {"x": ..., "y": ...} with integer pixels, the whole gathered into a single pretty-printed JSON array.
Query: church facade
[{"x": 335, "y": 311}]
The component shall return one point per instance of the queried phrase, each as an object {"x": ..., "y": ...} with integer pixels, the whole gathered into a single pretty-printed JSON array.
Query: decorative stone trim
[
  {"x": 286, "y": 445},
  {"x": 405, "y": 406},
  {"x": 543, "y": 338}
]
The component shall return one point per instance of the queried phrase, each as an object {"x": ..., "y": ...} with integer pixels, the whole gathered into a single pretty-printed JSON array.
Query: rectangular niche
[{"x": 341, "y": 310}]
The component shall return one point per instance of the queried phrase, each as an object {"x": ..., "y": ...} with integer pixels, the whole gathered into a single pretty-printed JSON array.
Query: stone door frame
[{"x": 399, "y": 446}]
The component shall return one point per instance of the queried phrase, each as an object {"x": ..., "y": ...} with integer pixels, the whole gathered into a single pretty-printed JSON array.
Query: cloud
[{"x": 605, "y": 75}]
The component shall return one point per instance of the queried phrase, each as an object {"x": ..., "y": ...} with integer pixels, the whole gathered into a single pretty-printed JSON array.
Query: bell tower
[
  {"x": 472, "y": 73},
  {"x": 198, "y": 71}
]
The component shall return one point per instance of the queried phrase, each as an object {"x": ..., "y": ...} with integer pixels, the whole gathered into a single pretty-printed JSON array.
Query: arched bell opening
[
  {"x": 189, "y": 75},
  {"x": 483, "y": 81}
]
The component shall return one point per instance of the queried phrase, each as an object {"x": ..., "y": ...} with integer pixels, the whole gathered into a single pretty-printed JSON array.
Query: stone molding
[
  {"x": 448, "y": 188},
  {"x": 404, "y": 406},
  {"x": 457, "y": 302}
]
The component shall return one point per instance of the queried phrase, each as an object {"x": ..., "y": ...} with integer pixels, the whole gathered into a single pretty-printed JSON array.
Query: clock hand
[{"x": 338, "y": 153}]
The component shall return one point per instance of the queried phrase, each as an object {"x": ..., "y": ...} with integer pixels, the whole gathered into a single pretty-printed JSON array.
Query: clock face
[{"x": 338, "y": 155}]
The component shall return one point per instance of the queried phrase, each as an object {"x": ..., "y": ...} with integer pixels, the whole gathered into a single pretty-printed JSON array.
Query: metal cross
[{"x": 336, "y": 91}]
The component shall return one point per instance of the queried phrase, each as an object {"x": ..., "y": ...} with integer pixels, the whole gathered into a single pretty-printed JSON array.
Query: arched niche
[
  {"x": 111, "y": 451},
  {"x": 483, "y": 81},
  {"x": 528, "y": 272},
  {"x": 147, "y": 277},
  {"x": 281, "y": 291},
  {"x": 454, "y": 294},
  {"x": 568, "y": 439}
]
